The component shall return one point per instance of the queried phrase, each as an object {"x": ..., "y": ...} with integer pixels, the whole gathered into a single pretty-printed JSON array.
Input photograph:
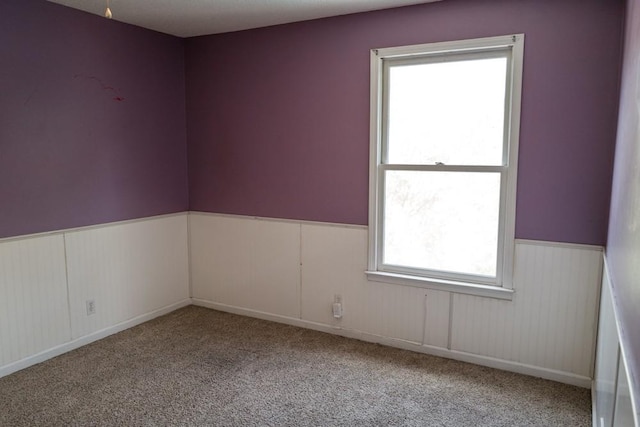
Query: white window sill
[{"x": 441, "y": 285}]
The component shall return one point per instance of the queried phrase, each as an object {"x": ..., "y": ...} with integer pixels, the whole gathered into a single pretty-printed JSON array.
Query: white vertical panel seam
[
  {"x": 189, "y": 255},
  {"x": 594, "y": 347},
  {"x": 66, "y": 279},
  {"x": 424, "y": 319},
  {"x": 300, "y": 272},
  {"x": 615, "y": 385},
  {"x": 450, "y": 326}
]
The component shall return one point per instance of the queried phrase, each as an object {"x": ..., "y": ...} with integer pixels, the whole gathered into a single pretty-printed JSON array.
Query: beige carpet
[{"x": 197, "y": 367}]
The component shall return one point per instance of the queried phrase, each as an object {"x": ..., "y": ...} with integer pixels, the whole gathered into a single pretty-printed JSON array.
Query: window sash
[
  {"x": 441, "y": 274},
  {"x": 436, "y": 58}
]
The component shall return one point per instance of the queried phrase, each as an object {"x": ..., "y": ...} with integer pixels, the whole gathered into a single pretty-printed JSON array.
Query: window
[{"x": 444, "y": 148}]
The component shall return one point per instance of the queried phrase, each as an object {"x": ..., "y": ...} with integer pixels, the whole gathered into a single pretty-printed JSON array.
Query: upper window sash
[
  {"x": 450, "y": 47},
  {"x": 437, "y": 58},
  {"x": 442, "y": 57}
]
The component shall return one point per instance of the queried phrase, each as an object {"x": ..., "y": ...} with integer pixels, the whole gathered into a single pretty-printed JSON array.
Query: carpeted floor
[{"x": 197, "y": 367}]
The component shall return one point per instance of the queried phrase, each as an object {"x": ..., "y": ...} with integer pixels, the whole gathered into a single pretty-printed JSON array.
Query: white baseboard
[
  {"x": 505, "y": 365},
  {"x": 563, "y": 377},
  {"x": 88, "y": 339}
]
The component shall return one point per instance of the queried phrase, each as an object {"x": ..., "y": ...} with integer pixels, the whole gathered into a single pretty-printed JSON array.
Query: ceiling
[{"x": 188, "y": 18}]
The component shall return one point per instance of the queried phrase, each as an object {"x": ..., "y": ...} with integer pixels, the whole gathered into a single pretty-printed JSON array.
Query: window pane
[
  {"x": 444, "y": 221},
  {"x": 448, "y": 112}
]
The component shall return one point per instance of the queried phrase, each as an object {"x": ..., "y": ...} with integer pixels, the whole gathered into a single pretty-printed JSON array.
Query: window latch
[{"x": 439, "y": 164}]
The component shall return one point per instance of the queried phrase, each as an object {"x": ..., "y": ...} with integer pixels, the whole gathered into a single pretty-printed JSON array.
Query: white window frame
[{"x": 502, "y": 286}]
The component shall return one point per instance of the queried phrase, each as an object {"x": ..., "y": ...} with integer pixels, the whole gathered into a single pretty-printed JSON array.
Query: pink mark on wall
[{"x": 104, "y": 86}]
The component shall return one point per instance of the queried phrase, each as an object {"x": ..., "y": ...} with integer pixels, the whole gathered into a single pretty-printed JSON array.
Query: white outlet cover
[{"x": 91, "y": 307}]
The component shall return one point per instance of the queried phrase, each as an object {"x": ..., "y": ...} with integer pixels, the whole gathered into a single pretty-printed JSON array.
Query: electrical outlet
[
  {"x": 337, "y": 306},
  {"x": 91, "y": 307}
]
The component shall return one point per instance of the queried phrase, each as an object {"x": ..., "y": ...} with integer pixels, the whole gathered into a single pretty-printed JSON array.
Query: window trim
[{"x": 503, "y": 286}]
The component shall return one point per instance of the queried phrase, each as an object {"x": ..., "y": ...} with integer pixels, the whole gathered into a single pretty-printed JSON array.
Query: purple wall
[
  {"x": 92, "y": 120},
  {"x": 623, "y": 247},
  {"x": 278, "y": 118},
  {"x": 92, "y": 114}
]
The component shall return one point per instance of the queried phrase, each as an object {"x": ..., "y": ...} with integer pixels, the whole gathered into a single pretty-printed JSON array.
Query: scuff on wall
[{"x": 104, "y": 86}]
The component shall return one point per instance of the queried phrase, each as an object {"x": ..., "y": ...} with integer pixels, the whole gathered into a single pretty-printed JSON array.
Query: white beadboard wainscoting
[
  {"x": 612, "y": 399},
  {"x": 34, "y": 314},
  {"x": 291, "y": 271},
  {"x": 132, "y": 270}
]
